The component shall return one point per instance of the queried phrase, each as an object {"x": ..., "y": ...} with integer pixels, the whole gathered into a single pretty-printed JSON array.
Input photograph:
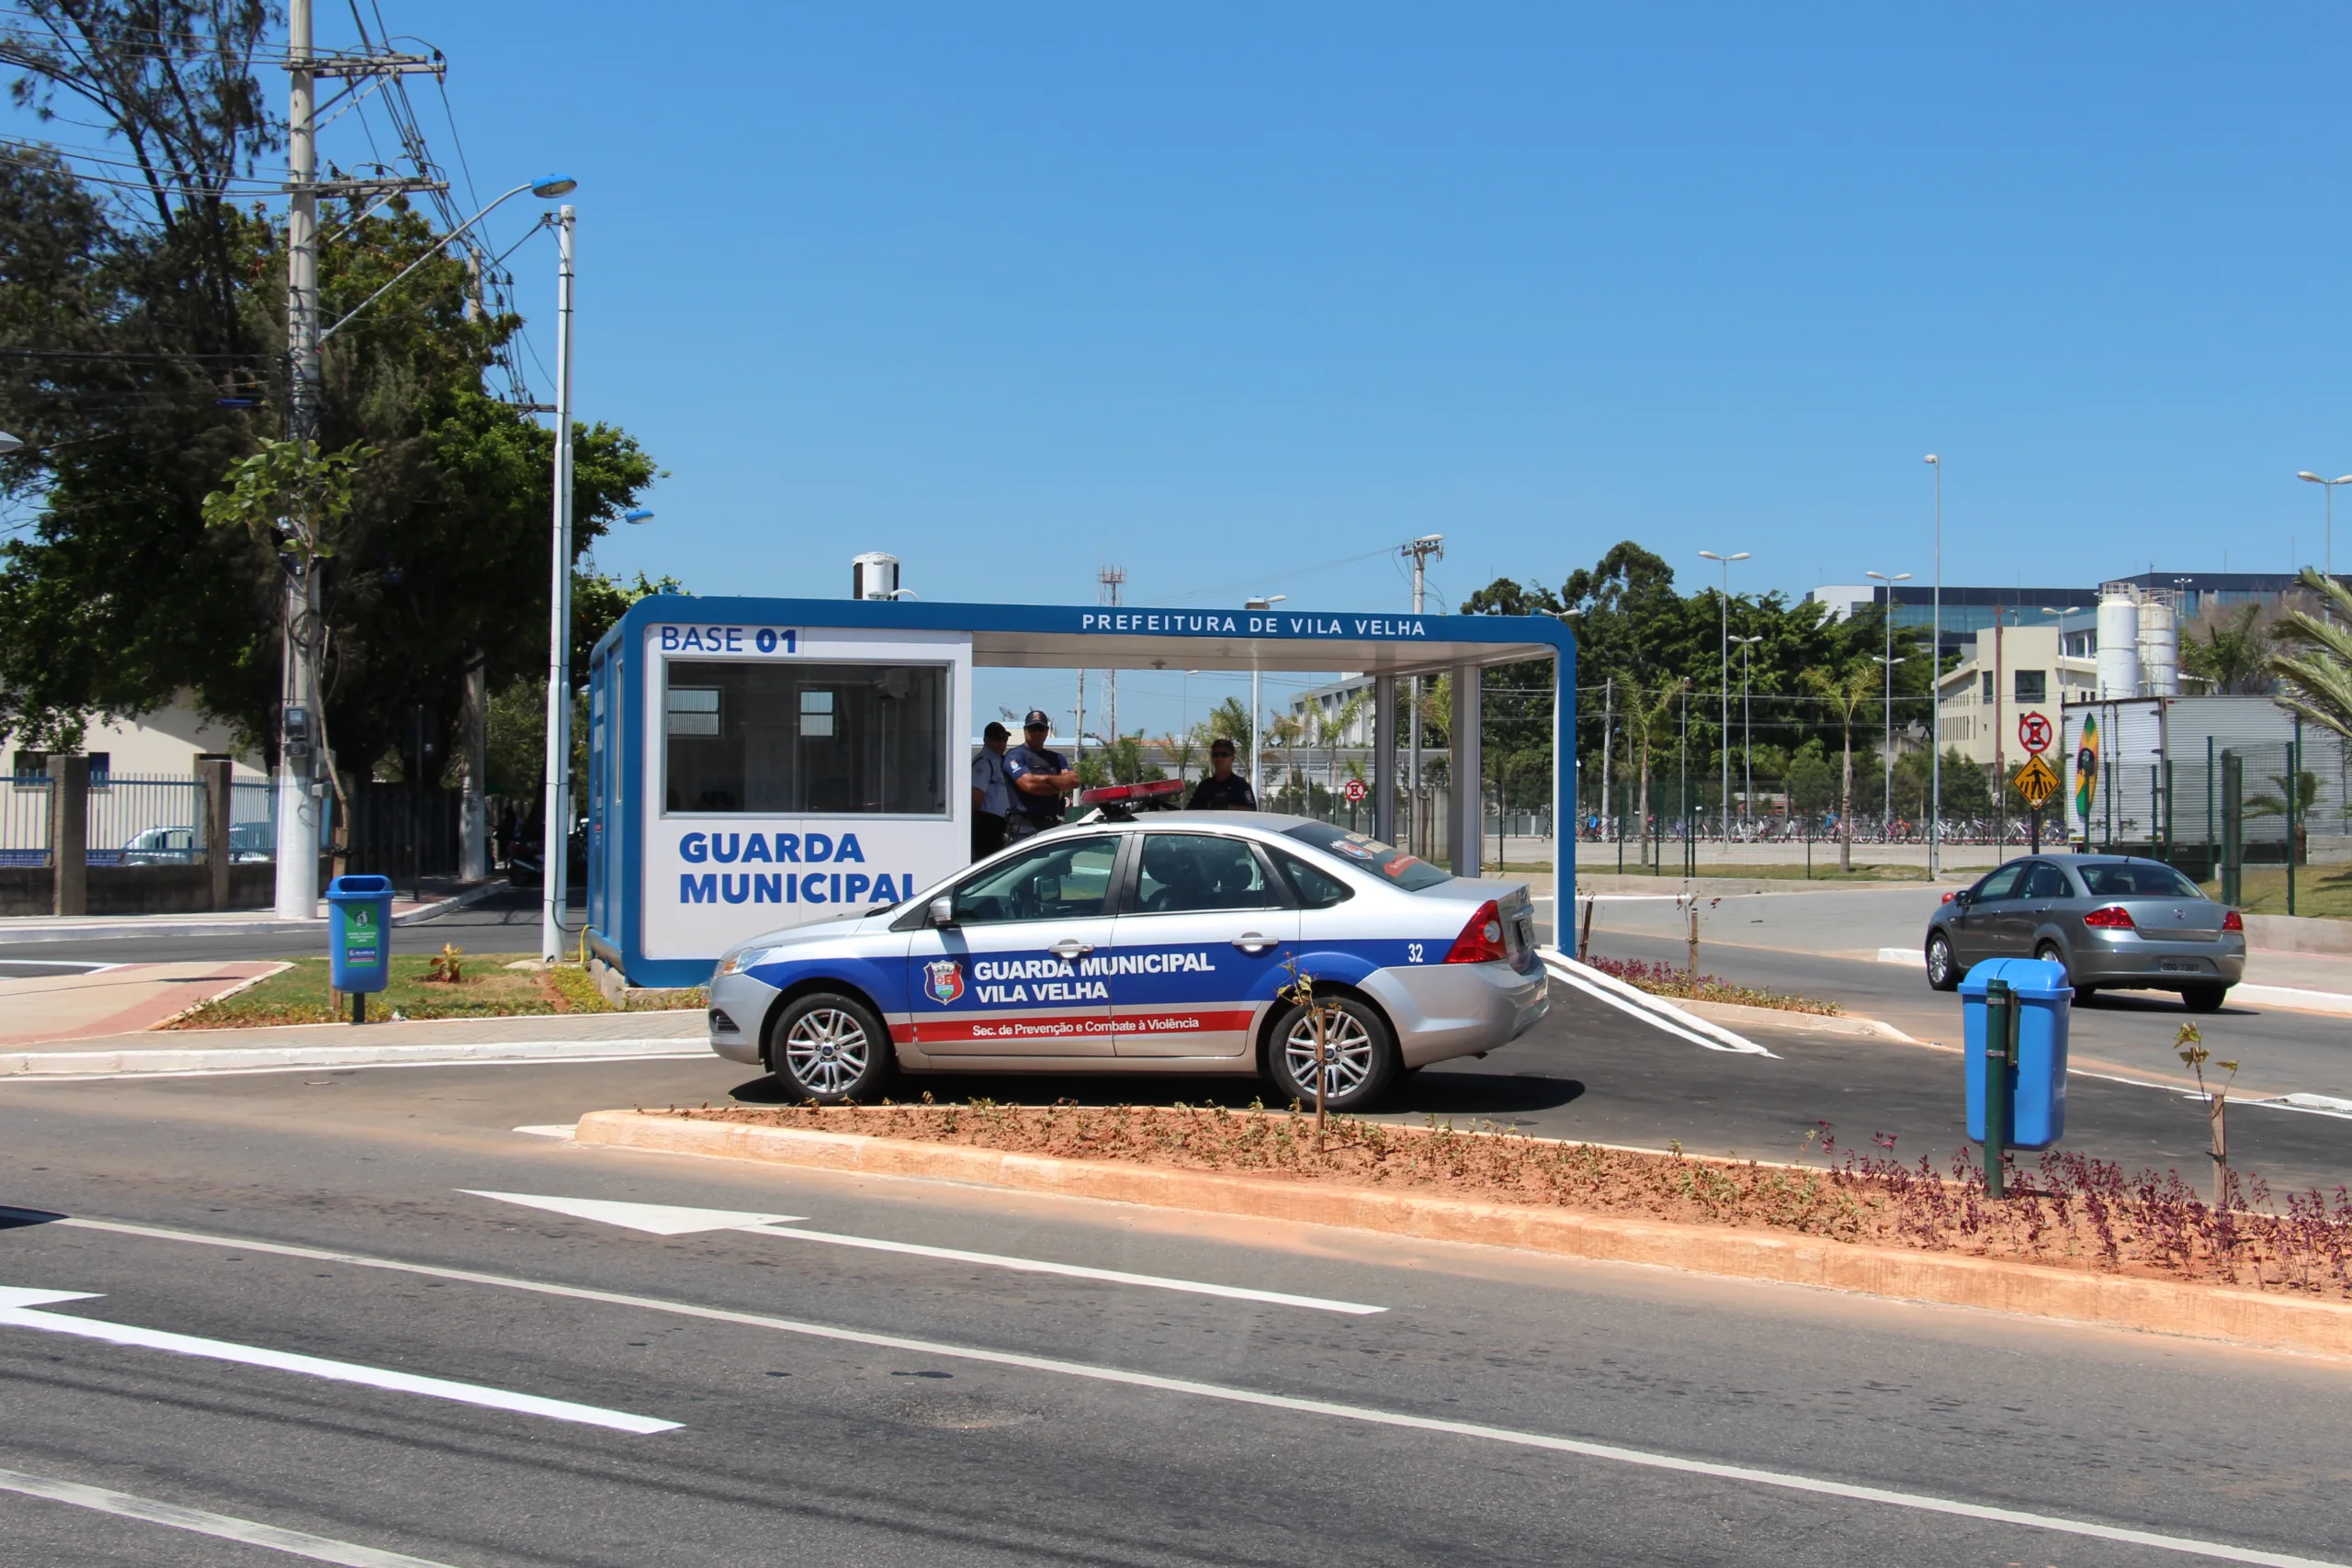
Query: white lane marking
[
  {"x": 660, "y": 1219},
  {"x": 1912, "y": 955},
  {"x": 246, "y": 1532},
  {"x": 1367, "y": 1415},
  {"x": 16, "y": 1311},
  {"x": 551, "y": 1130},
  {"x": 695, "y": 1056},
  {"x": 1652, "y": 1011},
  {"x": 663, "y": 1219}
]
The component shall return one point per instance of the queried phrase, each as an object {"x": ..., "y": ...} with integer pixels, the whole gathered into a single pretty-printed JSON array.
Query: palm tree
[
  {"x": 1182, "y": 749},
  {"x": 1331, "y": 729},
  {"x": 2233, "y": 654},
  {"x": 2315, "y": 680},
  {"x": 1846, "y": 693},
  {"x": 1648, "y": 722}
]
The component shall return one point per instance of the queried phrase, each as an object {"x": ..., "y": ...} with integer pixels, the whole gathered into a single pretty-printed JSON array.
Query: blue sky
[{"x": 1225, "y": 293}]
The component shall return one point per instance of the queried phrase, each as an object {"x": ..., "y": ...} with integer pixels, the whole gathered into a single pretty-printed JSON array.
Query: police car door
[
  {"x": 1201, "y": 938},
  {"x": 1010, "y": 978}
]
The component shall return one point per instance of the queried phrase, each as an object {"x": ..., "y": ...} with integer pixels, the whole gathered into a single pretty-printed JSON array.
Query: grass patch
[
  {"x": 2323, "y": 892},
  {"x": 486, "y": 989},
  {"x": 2063, "y": 1208}
]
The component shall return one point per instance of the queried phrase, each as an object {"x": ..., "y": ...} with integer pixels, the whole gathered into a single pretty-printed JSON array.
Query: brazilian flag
[{"x": 2086, "y": 771}]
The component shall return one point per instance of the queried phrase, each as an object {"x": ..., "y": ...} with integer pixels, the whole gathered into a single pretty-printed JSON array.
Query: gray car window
[
  {"x": 2002, "y": 883},
  {"x": 1063, "y": 879},
  {"x": 2046, "y": 881},
  {"x": 1188, "y": 872},
  {"x": 2144, "y": 879}
]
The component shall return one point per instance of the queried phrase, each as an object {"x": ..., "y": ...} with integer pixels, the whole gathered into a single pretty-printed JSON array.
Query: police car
[{"x": 1155, "y": 945}]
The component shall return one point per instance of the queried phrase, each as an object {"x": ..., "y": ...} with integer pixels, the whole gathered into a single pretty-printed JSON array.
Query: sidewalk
[
  {"x": 558, "y": 1037},
  {"x": 440, "y": 898}
]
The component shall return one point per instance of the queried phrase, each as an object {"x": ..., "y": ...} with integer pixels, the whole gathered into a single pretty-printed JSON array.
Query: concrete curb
[
  {"x": 164, "y": 926},
  {"x": 1785, "y": 1017},
  {"x": 2241, "y": 1316},
  {"x": 166, "y": 1060}
]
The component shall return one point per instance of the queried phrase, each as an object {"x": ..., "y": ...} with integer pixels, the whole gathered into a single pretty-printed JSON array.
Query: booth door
[
  {"x": 1201, "y": 938},
  {"x": 1010, "y": 978}
]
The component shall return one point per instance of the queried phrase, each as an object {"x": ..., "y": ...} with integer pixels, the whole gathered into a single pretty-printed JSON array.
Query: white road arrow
[
  {"x": 18, "y": 1306},
  {"x": 663, "y": 1219}
]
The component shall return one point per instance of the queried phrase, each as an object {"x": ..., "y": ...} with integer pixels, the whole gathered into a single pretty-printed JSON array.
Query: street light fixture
[
  {"x": 1886, "y": 803},
  {"x": 546, "y": 189},
  {"x": 1748, "y": 722},
  {"x": 1723, "y": 720},
  {"x": 9, "y": 444}
]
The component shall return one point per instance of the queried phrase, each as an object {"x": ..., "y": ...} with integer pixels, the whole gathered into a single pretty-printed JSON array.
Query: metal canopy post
[
  {"x": 1466, "y": 823},
  {"x": 1564, "y": 808},
  {"x": 1384, "y": 757}
]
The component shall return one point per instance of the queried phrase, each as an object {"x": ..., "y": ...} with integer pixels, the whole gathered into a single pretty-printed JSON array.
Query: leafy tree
[
  {"x": 1845, "y": 693},
  {"x": 142, "y": 358}
]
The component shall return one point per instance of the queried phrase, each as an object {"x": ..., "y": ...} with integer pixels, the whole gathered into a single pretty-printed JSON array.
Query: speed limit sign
[
  {"x": 2033, "y": 733},
  {"x": 1355, "y": 792}
]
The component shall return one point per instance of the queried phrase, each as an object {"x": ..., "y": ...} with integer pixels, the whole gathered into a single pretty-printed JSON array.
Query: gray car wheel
[
  {"x": 1358, "y": 1055},
  {"x": 1943, "y": 970},
  {"x": 2048, "y": 952},
  {"x": 830, "y": 1048}
]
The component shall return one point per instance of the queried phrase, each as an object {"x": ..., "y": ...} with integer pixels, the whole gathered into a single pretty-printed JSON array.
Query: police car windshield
[{"x": 1367, "y": 853}]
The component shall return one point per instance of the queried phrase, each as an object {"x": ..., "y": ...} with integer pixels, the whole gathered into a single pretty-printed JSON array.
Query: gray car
[
  {"x": 2113, "y": 920},
  {"x": 1168, "y": 944}
]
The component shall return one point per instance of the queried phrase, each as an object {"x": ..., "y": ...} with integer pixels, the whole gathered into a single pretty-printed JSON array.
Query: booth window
[{"x": 799, "y": 739}]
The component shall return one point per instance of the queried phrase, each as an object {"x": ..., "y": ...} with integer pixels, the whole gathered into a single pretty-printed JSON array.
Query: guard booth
[{"x": 756, "y": 763}]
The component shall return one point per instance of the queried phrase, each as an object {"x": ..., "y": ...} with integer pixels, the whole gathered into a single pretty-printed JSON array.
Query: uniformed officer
[
  {"x": 991, "y": 792},
  {"x": 1222, "y": 789},
  {"x": 1039, "y": 779}
]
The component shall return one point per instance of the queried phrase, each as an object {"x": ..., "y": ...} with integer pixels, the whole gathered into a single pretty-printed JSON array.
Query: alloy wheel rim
[
  {"x": 1347, "y": 1054},
  {"x": 826, "y": 1051}
]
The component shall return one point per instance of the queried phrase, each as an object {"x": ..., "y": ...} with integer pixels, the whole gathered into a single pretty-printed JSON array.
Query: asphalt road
[{"x": 855, "y": 1406}]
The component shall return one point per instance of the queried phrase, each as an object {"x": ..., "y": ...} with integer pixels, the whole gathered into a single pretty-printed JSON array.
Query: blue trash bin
[
  {"x": 2038, "y": 1083},
  {"x": 360, "y": 945}
]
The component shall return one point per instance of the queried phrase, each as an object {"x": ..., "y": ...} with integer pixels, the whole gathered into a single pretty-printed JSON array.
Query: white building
[
  {"x": 162, "y": 744},
  {"x": 2004, "y": 675}
]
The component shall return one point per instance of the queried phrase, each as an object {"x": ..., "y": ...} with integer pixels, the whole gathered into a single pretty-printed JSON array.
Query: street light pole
[
  {"x": 2327, "y": 560},
  {"x": 1263, "y": 601},
  {"x": 1420, "y": 550},
  {"x": 1886, "y": 804},
  {"x": 1936, "y": 692},
  {"x": 556, "y": 838},
  {"x": 1723, "y": 719},
  {"x": 1748, "y": 722}
]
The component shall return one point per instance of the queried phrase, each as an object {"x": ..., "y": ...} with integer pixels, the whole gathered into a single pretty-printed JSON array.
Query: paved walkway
[
  {"x": 115, "y": 1000},
  {"x": 560, "y": 1036}
]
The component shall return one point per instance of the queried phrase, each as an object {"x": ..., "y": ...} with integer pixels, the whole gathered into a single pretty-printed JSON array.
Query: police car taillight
[{"x": 1481, "y": 941}]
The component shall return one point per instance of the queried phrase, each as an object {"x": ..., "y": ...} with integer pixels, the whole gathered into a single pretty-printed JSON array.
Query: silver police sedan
[
  {"x": 2112, "y": 920},
  {"x": 1158, "y": 945}
]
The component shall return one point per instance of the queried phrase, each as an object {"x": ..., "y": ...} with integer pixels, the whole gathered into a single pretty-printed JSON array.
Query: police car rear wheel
[
  {"x": 1358, "y": 1055},
  {"x": 830, "y": 1049}
]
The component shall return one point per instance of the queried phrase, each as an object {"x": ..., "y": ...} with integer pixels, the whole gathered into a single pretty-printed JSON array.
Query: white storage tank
[
  {"x": 2159, "y": 645},
  {"x": 873, "y": 575},
  {"x": 2119, "y": 644}
]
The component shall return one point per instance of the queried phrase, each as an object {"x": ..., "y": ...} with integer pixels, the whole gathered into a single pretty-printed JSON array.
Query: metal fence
[{"x": 136, "y": 820}]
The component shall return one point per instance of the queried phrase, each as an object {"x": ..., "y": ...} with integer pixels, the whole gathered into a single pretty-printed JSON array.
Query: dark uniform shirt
[
  {"x": 1023, "y": 760},
  {"x": 1231, "y": 792}
]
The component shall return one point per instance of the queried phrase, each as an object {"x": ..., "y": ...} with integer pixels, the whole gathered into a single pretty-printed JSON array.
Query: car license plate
[{"x": 2182, "y": 965}]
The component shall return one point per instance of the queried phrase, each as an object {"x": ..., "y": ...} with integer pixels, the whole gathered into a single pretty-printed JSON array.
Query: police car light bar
[{"x": 1112, "y": 794}]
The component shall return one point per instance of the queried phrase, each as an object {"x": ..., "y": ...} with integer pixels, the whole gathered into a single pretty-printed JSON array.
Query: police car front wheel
[
  {"x": 830, "y": 1048},
  {"x": 1359, "y": 1054}
]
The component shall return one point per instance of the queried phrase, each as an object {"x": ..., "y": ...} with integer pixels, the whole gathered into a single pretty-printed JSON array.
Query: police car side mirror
[{"x": 943, "y": 911}]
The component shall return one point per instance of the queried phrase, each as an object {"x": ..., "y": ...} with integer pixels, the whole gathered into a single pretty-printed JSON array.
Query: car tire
[
  {"x": 2048, "y": 952},
  {"x": 1360, "y": 1063},
  {"x": 2203, "y": 999},
  {"x": 1944, "y": 972},
  {"x": 830, "y": 1049}
]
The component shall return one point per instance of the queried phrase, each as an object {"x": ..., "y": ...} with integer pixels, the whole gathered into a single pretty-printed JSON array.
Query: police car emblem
[{"x": 943, "y": 978}]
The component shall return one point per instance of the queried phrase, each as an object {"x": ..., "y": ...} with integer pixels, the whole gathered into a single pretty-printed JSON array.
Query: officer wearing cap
[
  {"x": 1039, "y": 779},
  {"x": 1222, "y": 789},
  {"x": 991, "y": 792}
]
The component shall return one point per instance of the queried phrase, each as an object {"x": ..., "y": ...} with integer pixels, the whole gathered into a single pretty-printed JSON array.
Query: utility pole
[
  {"x": 1935, "y": 690},
  {"x": 1113, "y": 579},
  {"x": 302, "y": 761},
  {"x": 1608, "y": 728},
  {"x": 1421, "y": 551},
  {"x": 1722, "y": 718},
  {"x": 556, "y": 840}
]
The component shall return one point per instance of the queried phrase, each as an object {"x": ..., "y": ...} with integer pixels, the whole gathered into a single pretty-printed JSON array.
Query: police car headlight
[{"x": 742, "y": 958}]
